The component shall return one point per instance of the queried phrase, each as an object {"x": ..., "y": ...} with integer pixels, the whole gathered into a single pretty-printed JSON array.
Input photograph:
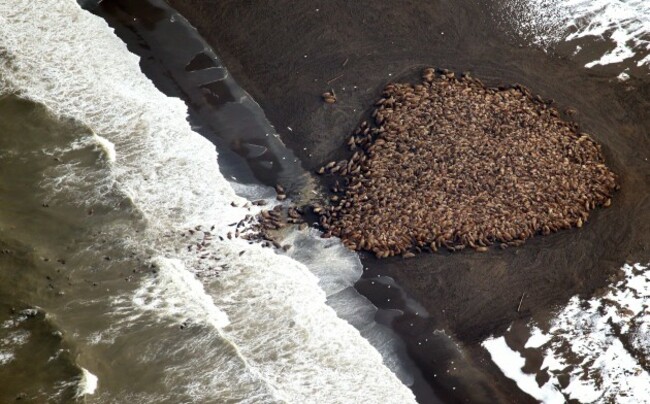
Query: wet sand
[{"x": 356, "y": 49}]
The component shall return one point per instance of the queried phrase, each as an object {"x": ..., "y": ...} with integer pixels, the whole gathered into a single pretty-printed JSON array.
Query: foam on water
[
  {"x": 167, "y": 293},
  {"x": 320, "y": 255},
  {"x": 87, "y": 384},
  {"x": 337, "y": 269},
  {"x": 95, "y": 179},
  {"x": 624, "y": 23},
  {"x": 7, "y": 345},
  {"x": 107, "y": 146},
  {"x": 11, "y": 342},
  {"x": 268, "y": 308},
  {"x": 36, "y": 365},
  {"x": 6, "y": 357},
  {"x": 600, "y": 345}
]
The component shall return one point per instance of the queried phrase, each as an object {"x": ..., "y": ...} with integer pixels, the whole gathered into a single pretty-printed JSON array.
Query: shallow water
[{"x": 40, "y": 273}]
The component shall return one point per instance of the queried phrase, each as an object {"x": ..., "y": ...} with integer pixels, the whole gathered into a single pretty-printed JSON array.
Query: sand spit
[{"x": 451, "y": 163}]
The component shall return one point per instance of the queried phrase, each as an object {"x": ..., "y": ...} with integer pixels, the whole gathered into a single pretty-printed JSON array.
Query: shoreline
[
  {"x": 474, "y": 295},
  {"x": 134, "y": 24}
]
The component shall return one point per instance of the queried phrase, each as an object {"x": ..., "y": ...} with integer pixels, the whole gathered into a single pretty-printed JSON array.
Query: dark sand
[{"x": 285, "y": 53}]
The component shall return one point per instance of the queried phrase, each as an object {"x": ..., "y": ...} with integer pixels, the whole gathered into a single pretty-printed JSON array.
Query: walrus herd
[{"x": 451, "y": 163}]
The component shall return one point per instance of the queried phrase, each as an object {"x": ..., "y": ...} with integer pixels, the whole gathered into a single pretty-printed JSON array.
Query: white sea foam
[
  {"x": 87, "y": 384},
  {"x": 321, "y": 255},
  {"x": 624, "y": 23},
  {"x": 11, "y": 341},
  {"x": 598, "y": 344},
  {"x": 6, "y": 357},
  {"x": 267, "y": 306},
  {"x": 337, "y": 269},
  {"x": 168, "y": 293},
  {"x": 107, "y": 147},
  {"x": 98, "y": 179}
]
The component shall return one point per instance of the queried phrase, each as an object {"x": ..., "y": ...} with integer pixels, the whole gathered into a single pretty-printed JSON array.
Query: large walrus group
[{"x": 451, "y": 163}]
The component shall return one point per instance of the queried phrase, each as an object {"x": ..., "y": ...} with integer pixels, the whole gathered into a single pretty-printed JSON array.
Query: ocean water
[{"x": 103, "y": 179}]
